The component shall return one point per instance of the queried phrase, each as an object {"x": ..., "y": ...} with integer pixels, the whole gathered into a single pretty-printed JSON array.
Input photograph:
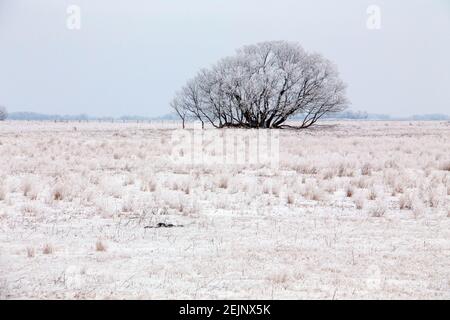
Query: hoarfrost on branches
[{"x": 263, "y": 86}]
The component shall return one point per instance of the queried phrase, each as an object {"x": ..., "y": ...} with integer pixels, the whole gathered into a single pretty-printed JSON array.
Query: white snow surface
[{"x": 354, "y": 210}]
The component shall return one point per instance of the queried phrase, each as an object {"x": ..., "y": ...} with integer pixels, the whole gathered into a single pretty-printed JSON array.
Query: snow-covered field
[{"x": 351, "y": 210}]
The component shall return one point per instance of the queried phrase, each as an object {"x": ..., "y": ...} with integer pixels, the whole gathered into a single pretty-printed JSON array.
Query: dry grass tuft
[
  {"x": 47, "y": 249},
  {"x": 379, "y": 209},
  {"x": 349, "y": 192},
  {"x": 26, "y": 187},
  {"x": 405, "y": 202},
  {"x": 100, "y": 246},
  {"x": 58, "y": 193},
  {"x": 445, "y": 166},
  {"x": 30, "y": 252},
  {"x": 223, "y": 182},
  {"x": 313, "y": 192},
  {"x": 372, "y": 194},
  {"x": 290, "y": 199},
  {"x": 359, "y": 202},
  {"x": 366, "y": 169}
]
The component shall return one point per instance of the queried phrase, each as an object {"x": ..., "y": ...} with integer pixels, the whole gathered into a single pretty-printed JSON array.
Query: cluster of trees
[
  {"x": 262, "y": 86},
  {"x": 3, "y": 113}
]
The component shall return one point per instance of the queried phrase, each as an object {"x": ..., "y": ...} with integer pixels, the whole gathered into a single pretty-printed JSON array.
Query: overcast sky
[{"x": 129, "y": 57}]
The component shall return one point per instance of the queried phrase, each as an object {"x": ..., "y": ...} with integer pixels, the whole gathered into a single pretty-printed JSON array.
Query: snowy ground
[{"x": 352, "y": 210}]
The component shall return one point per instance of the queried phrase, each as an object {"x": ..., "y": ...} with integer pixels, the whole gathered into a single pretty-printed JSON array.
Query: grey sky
[{"x": 131, "y": 56}]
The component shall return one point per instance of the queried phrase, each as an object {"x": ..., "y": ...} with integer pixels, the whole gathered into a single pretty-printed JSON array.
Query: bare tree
[
  {"x": 179, "y": 109},
  {"x": 3, "y": 113},
  {"x": 263, "y": 86}
]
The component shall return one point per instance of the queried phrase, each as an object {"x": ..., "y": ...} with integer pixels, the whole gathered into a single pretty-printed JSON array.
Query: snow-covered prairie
[{"x": 352, "y": 210}]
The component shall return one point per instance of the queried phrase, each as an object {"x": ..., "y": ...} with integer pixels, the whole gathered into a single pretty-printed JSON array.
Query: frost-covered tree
[
  {"x": 263, "y": 86},
  {"x": 3, "y": 113},
  {"x": 181, "y": 112}
]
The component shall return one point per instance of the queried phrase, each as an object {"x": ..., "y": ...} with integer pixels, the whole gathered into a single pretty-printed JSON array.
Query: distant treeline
[
  {"x": 345, "y": 115},
  {"x": 82, "y": 117},
  {"x": 362, "y": 115}
]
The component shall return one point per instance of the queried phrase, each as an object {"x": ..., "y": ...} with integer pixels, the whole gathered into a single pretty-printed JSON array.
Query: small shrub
[
  {"x": 127, "y": 206},
  {"x": 25, "y": 187},
  {"x": 344, "y": 171},
  {"x": 330, "y": 187},
  {"x": 223, "y": 183},
  {"x": 366, "y": 169},
  {"x": 361, "y": 183},
  {"x": 190, "y": 210},
  {"x": 3, "y": 193},
  {"x": 433, "y": 200},
  {"x": 129, "y": 180},
  {"x": 405, "y": 202},
  {"x": 341, "y": 170},
  {"x": 58, "y": 193},
  {"x": 290, "y": 199},
  {"x": 28, "y": 209},
  {"x": 47, "y": 249},
  {"x": 99, "y": 246},
  {"x": 417, "y": 208},
  {"x": 266, "y": 188},
  {"x": 30, "y": 252},
  {"x": 445, "y": 166},
  {"x": 359, "y": 203},
  {"x": 328, "y": 174},
  {"x": 186, "y": 189},
  {"x": 276, "y": 190},
  {"x": 349, "y": 192},
  {"x": 149, "y": 186},
  {"x": 312, "y": 192},
  {"x": 398, "y": 188},
  {"x": 372, "y": 194},
  {"x": 379, "y": 209}
]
